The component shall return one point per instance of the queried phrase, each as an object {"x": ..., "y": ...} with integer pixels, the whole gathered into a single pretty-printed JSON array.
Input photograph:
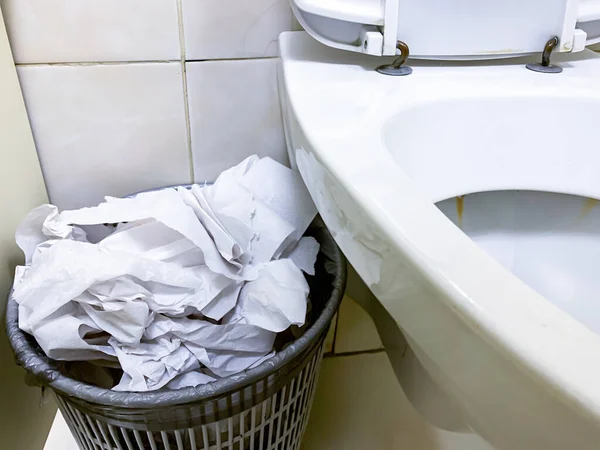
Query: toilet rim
[
  {"x": 522, "y": 323},
  {"x": 534, "y": 335}
]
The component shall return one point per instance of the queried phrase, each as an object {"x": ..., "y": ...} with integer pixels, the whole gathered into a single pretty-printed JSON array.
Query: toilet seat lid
[{"x": 450, "y": 29}]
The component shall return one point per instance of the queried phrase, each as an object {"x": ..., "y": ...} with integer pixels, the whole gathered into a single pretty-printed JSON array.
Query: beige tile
[
  {"x": 43, "y": 31},
  {"x": 234, "y": 113},
  {"x": 107, "y": 129},
  {"x": 356, "y": 330},
  {"x": 218, "y": 29},
  {"x": 330, "y": 338},
  {"x": 360, "y": 405}
]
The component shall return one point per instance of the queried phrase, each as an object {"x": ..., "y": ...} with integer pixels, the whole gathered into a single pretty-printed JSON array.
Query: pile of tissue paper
[{"x": 187, "y": 285}]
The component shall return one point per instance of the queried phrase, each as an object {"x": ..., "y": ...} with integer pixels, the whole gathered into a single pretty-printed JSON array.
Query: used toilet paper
[{"x": 188, "y": 284}]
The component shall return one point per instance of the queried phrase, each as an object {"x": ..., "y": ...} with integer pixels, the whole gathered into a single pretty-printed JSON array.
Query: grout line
[
  {"x": 232, "y": 59},
  {"x": 149, "y": 61},
  {"x": 96, "y": 63},
  {"x": 186, "y": 103},
  {"x": 335, "y": 332},
  {"x": 358, "y": 352}
]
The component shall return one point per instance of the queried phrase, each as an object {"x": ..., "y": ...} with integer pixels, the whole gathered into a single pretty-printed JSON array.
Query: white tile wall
[
  {"x": 130, "y": 95},
  {"x": 105, "y": 88},
  {"x": 107, "y": 129},
  {"x": 234, "y": 112},
  {"x": 217, "y": 29},
  {"x": 44, "y": 31}
]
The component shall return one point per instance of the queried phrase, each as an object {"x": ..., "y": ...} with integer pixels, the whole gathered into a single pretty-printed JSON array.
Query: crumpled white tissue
[
  {"x": 41, "y": 225},
  {"x": 189, "y": 284},
  {"x": 275, "y": 300},
  {"x": 167, "y": 207},
  {"x": 64, "y": 270},
  {"x": 304, "y": 254}
]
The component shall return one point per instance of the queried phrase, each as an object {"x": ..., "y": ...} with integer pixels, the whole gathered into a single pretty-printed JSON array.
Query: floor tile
[
  {"x": 330, "y": 338},
  {"x": 360, "y": 405},
  {"x": 356, "y": 330}
]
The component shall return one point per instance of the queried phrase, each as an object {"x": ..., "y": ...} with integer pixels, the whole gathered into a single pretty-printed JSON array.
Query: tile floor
[
  {"x": 356, "y": 331},
  {"x": 358, "y": 403}
]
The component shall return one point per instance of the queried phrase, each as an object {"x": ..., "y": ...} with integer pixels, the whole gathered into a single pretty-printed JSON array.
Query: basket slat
[{"x": 277, "y": 423}]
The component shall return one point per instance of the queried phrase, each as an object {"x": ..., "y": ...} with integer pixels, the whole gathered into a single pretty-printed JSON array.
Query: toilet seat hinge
[
  {"x": 545, "y": 66},
  {"x": 397, "y": 67}
]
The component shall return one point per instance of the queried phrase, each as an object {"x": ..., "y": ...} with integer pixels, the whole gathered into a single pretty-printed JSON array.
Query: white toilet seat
[
  {"x": 438, "y": 29},
  {"x": 336, "y": 103}
]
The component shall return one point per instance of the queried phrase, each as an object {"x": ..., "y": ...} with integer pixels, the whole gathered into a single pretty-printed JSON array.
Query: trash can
[{"x": 264, "y": 408}]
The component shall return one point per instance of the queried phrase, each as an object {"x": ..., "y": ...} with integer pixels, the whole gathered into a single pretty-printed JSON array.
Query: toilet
[{"x": 453, "y": 188}]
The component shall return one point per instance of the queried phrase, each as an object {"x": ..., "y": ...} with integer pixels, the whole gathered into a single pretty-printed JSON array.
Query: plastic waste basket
[{"x": 264, "y": 408}]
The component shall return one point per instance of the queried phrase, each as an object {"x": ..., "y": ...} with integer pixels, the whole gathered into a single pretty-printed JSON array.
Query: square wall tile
[
  {"x": 234, "y": 113},
  {"x": 356, "y": 330},
  {"x": 107, "y": 129},
  {"x": 43, "y": 31},
  {"x": 220, "y": 29}
]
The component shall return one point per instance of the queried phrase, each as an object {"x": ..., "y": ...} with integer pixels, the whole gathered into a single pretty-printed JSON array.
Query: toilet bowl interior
[
  {"x": 488, "y": 140},
  {"x": 530, "y": 161},
  {"x": 550, "y": 241}
]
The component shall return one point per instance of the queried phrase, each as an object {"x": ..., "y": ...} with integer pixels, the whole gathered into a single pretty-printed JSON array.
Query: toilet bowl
[{"x": 514, "y": 365}]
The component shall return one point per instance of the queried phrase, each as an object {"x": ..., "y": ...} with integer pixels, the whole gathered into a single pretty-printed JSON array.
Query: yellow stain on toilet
[
  {"x": 587, "y": 207},
  {"x": 460, "y": 207}
]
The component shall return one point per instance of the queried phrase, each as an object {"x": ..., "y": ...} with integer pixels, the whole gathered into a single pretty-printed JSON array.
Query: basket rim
[{"x": 46, "y": 374}]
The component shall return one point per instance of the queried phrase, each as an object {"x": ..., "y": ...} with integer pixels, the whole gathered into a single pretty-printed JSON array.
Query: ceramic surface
[{"x": 378, "y": 152}]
